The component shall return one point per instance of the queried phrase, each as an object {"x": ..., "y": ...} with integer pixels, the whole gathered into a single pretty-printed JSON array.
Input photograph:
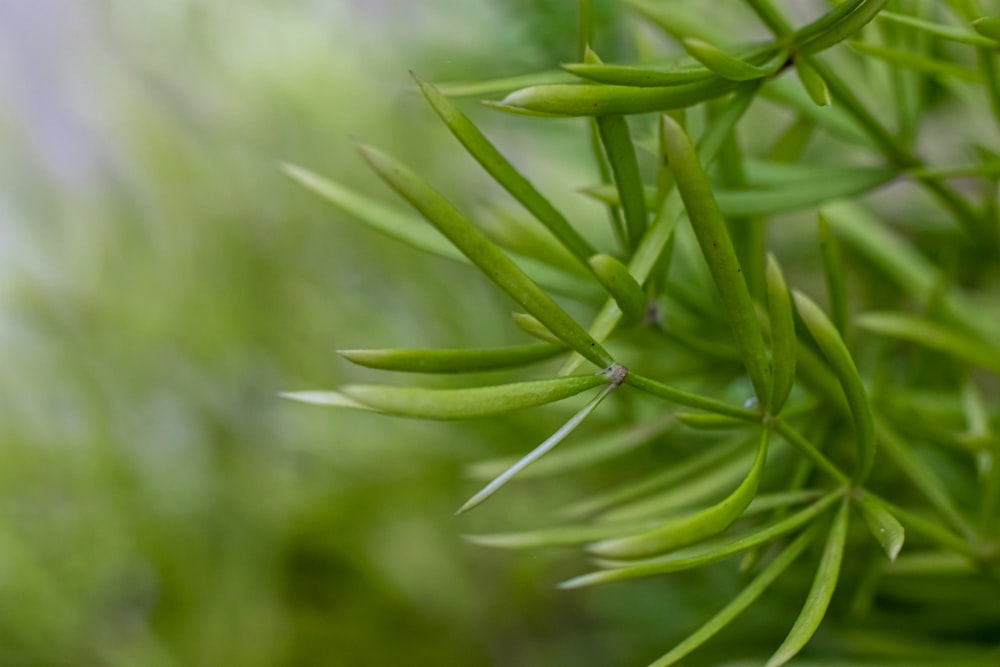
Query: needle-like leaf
[
  {"x": 840, "y": 360},
  {"x": 682, "y": 531},
  {"x": 738, "y": 604},
  {"x": 818, "y": 599},
  {"x": 484, "y": 254},
  {"x": 469, "y": 403},
  {"x": 717, "y": 247},
  {"x": 783, "y": 343},
  {"x": 451, "y": 361},
  {"x": 539, "y": 451}
]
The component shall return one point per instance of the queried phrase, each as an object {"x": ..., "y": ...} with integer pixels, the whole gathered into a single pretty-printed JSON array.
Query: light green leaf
[
  {"x": 783, "y": 343},
  {"x": 804, "y": 192},
  {"x": 682, "y": 531},
  {"x": 412, "y": 231},
  {"x": 638, "y": 76},
  {"x": 544, "y": 448},
  {"x": 505, "y": 174},
  {"x": 839, "y": 358},
  {"x": 960, "y": 35},
  {"x": 617, "y": 142},
  {"x": 710, "y": 422},
  {"x": 601, "y": 100},
  {"x": 620, "y": 284},
  {"x": 934, "y": 336},
  {"x": 388, "y": 221},
  {"x": 851, "y": 17},
  {"x": 833, "y": 274},
  {"x": 556, "y": 536},
  {"x": 468, "y": 403},
  {"x": 531, "y": 326},
  {"x": 480, "y": 89},
  {"x": 688, "y": 478},
  {"x": 818, "y": 599},
  {"x": 728, "y": 66},
  {"x": 738, "y": 604},
  {"x": 705, "y": 554},
  {"x": 329, "y": 398},
  {"x": 884, "y": 526},
  {"x": 484, "y": 254},
  {"x": 941, "y": 69},
  {"x": 689, "y": 399},
  {"x": 812, "y": 82},
  {"x": 988, "y": 26},
  {"x": 717, "y": 247},
  {"x": 657, "y": 238},
  {"x": 452, "y": 360},
  {"x": 594, "y": 450}
]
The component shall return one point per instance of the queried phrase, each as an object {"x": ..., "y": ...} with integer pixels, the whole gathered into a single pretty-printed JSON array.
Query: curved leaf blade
[
  {"x": 840, "y": 360},
  {"x": 700, "y": 556},
  {"x": 738, "y": 604},
  {"x": 476, "y": 360},
  {"x": 484, "y": 254},
  {"x": 472, "y": 403},
  {"x": 820, "y": 594},
  {"x": 686, "y": 530}
]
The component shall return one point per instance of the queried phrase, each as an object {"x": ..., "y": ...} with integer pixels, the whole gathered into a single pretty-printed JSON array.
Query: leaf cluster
[{"x": 875, "y": 407}]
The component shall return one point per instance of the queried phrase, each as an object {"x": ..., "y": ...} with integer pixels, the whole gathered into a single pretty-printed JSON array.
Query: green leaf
[
  {"x": 820, "y": 593},
  {"x": 657, "y": 238},
  {"x": 451, "y": 361},
  {"x": 556, "y": 536},
  {"x": 618, "y": 146},
  {"x": 833, "y": 274},
  {"x": 731, "y": 67},
  {"x": 839, "y": 358},
  {"x": 620, "y": 284},
  {"x": 412, "y": 231},
  {"x": 988, "y": 26},
  {"x": 484, "y": 254},
  {"x": 934, "y": 336},
  {"x": 960, "y": 35},
  {"x": 812, "y": 82},
  {"x": 692, "y": 528},
  {"x": 708, "y": 553},
  {"x": 601, "y": 100},
  {"x": 840, "y": 24},
  {"x": 479, "y": 89},
  {"x": 505, "y": 174},
  {"x": 717, "y": 247},
  {"x": 544, "y": 448},
  {"x": 531, "y": 326},
  {"x": 783, "y": 344},
  {"x": 685, "y": 478},
  {"x": 805, "y": 191},
  {"x": 710, "y": 422},
  {"x": 677, "y": 19},
  {"x": 689, "y": 399},
  {"x": 467, "y": 403},
  {"x": 685, "y": 495},
  {"x": 884, "y": 526},
  {"x": 388, "y": 221},
  {"x": 638, "y": 76},
  {"x": 595, "y": 450},
  {"x": 738, "y": 604},
  {"x": 924, "y": 478},
  {"x": 930, "y": 66},
  {"x": 329, "y": 398}
]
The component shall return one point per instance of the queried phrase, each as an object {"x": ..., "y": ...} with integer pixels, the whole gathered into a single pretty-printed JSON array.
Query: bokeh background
[{"x": 161, "y": 281}]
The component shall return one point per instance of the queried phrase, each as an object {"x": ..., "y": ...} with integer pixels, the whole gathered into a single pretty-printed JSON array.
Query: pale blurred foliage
[{"x": 161, "y": 281}]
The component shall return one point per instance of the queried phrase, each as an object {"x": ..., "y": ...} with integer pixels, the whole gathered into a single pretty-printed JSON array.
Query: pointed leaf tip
[{"x": 883, "y": 525}]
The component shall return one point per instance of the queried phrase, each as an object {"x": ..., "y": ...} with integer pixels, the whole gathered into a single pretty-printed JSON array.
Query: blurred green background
[{"x": 161, "y": 281}]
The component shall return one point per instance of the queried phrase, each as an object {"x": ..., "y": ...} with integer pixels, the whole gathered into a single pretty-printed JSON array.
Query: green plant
[{"x": 880, "y": 407}]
